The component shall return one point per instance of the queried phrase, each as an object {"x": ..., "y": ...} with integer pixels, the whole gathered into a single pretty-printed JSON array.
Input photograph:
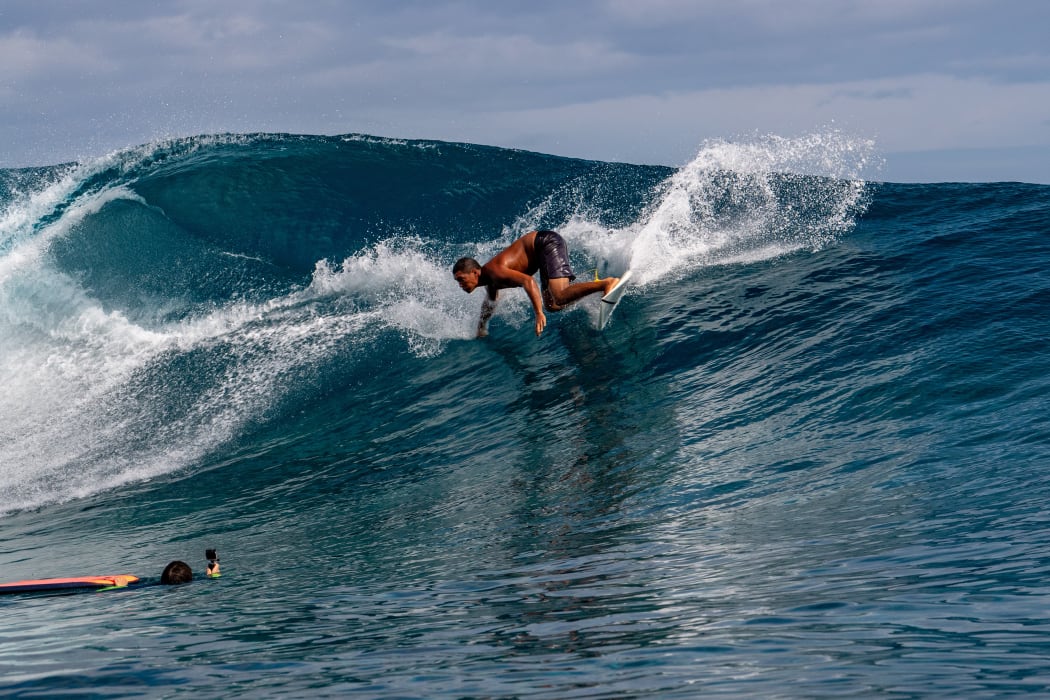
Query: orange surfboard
[{"x": 61, "y": 584}]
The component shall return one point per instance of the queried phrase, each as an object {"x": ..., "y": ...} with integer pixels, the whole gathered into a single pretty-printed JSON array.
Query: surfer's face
[{"x": 468, "y": 281}]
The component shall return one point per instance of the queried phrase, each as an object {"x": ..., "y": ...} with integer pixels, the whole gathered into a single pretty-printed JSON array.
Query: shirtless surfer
[{"x": 514, "y": 267}]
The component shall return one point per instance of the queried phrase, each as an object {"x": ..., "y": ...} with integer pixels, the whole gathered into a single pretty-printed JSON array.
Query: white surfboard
[{"x": 609, "y": 302}]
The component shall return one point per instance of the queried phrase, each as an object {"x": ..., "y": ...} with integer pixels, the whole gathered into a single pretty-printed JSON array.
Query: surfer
[
  {"x": 175, "y": 573},
  {"x": 515, "y": 266}
]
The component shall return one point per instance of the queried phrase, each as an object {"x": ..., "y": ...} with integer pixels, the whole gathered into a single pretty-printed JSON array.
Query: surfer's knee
[
  {"x": 550, "y": 302},
  {"x": 558, "y": 294}
]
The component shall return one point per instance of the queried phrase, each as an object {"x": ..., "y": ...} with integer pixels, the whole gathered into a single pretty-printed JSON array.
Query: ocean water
[{"x": 808, "y": 457}]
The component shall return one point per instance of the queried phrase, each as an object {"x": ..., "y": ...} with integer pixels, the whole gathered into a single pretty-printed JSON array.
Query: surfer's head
[
  {"x": 467, "y": 272},
  {"x": 176, "y": 572}
]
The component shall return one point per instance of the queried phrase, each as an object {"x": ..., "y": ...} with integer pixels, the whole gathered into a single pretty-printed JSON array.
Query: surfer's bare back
[{"x": 514, "y": 267}]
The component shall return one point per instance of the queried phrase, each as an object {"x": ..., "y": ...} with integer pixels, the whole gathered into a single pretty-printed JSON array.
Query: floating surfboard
[
  {"x": 611, "y": 300},
  {"x": 63, "y": 584}
]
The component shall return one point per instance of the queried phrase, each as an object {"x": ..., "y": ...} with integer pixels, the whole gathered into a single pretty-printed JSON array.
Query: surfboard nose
[{"x": 611, "y": 300}]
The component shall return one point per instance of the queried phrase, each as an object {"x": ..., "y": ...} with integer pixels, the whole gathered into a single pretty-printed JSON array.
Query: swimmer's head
[{"x": 176, "y": 572}]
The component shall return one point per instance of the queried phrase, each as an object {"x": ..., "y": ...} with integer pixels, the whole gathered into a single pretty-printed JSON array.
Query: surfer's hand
[{"x": 541, "y": 322}]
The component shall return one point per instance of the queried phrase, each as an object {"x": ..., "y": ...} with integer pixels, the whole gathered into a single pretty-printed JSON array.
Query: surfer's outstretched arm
[
  {"x": 501, "y": 277},
  {"x": 488, "y": 307}
]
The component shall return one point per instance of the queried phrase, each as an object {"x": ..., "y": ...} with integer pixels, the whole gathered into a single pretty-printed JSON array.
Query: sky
[{"x": 949, "y": 90}]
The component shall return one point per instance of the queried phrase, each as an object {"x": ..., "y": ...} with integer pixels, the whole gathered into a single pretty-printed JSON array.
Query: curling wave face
[{"x": 159, "y": 302}]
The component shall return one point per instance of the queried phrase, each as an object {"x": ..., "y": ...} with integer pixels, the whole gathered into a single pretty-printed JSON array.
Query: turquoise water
[{"x": 806, "y": 458}]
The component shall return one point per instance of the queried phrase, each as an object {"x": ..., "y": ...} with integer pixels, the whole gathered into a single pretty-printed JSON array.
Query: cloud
[
  {"x": 26, "y": 59},
  {"x": 903, "y": 115},
  {"x": 891, "y": 93},
  {"x": 643, "y": 81}
]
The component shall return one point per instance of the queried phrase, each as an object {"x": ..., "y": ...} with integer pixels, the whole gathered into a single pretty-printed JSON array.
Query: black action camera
[{"x": 210, "y": 555}]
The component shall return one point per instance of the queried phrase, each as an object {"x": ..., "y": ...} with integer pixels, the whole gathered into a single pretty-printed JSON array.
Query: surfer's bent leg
[{"x": 556, "y": 274}]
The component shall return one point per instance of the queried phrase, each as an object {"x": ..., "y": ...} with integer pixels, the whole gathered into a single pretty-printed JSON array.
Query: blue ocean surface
[{"x": 808, "y": 457}]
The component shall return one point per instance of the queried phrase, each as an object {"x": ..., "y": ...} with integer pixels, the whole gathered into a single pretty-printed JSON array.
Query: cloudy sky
[{"x": 947, "y": 89}]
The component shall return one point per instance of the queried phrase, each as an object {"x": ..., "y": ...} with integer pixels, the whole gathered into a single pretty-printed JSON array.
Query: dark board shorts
[{"x": 554, "y": 257}]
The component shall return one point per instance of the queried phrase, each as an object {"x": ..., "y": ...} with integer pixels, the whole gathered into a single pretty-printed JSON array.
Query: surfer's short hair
[
  {"x": 176, "y": 572},
  {"x": 465, "y": 265}
]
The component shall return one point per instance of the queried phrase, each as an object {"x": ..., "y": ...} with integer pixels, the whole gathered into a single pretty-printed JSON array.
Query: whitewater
[{"x": 806, "y": 458}]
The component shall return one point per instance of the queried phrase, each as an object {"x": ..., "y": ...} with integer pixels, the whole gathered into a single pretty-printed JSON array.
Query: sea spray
[{"x": 751, "y": 200}]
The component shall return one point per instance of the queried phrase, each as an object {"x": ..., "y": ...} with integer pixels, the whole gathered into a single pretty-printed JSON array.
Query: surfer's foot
[{"x": 609, "y": 282}]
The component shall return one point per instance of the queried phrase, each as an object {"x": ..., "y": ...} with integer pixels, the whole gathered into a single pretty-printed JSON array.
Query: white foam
[
  {"x": 725, "y": 206},
  {"x": 81, "y": 411},
  {"x": 408, "y": 290}
]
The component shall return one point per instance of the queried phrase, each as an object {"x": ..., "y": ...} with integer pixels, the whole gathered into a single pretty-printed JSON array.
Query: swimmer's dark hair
[
  {"x": 465, "y": 265},
  {"x": 176, "y": 572}
]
